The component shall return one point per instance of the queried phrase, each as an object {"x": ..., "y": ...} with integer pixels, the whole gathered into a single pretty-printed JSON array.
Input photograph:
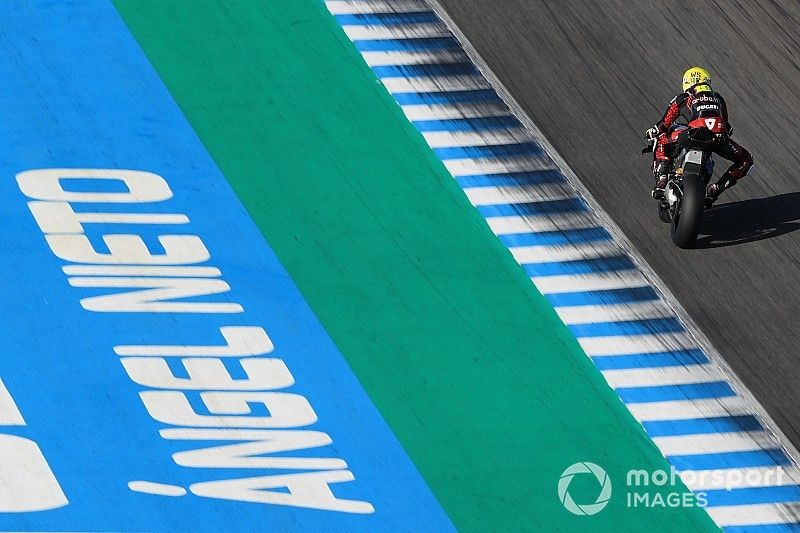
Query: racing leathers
[{"x": 690, "y": 106}]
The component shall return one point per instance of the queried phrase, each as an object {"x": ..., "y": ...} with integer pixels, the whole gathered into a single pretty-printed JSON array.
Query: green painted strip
[{"x": 487, "y": 391}]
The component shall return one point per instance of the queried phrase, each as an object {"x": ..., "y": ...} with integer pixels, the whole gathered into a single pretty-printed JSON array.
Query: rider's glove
[{"x": 651, "y": 133}]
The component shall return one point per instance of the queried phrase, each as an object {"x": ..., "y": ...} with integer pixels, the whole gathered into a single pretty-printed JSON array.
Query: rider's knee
[
  {"x": 747, "y": 162},
  {"x": 742, "y": 163}
]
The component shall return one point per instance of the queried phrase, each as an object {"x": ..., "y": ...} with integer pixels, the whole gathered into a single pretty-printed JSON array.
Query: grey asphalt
[{"x": 594, "y": 74}]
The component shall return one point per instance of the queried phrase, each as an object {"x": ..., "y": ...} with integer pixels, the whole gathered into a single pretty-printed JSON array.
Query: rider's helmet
[{"x": 696, "y": 78}]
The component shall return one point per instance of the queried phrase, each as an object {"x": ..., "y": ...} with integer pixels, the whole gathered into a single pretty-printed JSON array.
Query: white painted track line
[
  {"x": 406, "y": 31},
  {"x": 753, "y": 515},
  {"x": 682, "y": 409},
  {"x": 450, "y": 111},
  {"x": 443, "y": 139},
  {"x": 587, "y": 314},
  {"x": 518, "y": 194},
  {"x": 590, "y": 282},
  {"x": 744, "y": 441},
  {"x": 342, "y": 7},
  {"x": 565, "y": 252},
  {"x": 654, "y": 377},
  {"x": 425, "y": 57},
  {"x": 468, "y": 167},
  {"x": 535, "y": 223},
  {"x": 627, "y": 344},
  {"x": 425, "y": 84}
]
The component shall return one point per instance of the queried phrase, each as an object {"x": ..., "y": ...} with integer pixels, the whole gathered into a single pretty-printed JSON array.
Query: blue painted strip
[
  {"x": 416, "y": 71},
  {"x": 80, "y": 406},
  {"x": 447, "y": 97},
  {"x": 550, "y": 207},
  {"x": 501, "y": 150},
  {"x": 650, "y": 360},
  {"x": 629, "y": 327},
  {"x": 718, "y": 461},
  {"x": 754, "y": 495},
  {"x": 664, "y": 393},
  {"x": 384, "y": 19},
  {"x": 764, "y": 528},
  {"x": 468, "y": 124},
  {"x": 697, "y": 426},
  {"x": 582, "y": 266},
  {"x": 407, "y": 45},
  {"x": 537, "y": 177},
  {"x": 605, "y": 297},
  {"x": 554, "y": 238}
]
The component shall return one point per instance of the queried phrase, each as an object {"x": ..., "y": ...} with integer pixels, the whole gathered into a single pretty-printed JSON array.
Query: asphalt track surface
[{"x": 594, "y": 74}]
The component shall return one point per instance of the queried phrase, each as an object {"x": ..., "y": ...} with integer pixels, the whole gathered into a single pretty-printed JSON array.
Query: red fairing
[
  {"x": 715, "y": 124},
  {"x": 675, "y": 133}
]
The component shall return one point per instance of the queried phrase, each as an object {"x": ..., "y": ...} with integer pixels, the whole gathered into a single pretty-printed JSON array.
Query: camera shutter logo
[{"x": 589, "y": 508}]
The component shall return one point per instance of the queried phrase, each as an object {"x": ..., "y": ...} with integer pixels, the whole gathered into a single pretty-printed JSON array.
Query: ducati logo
[{"x": 710, "y": 123}]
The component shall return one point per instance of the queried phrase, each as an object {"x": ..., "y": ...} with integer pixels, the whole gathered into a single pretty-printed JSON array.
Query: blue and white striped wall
[{"x": 686, "y": 402}]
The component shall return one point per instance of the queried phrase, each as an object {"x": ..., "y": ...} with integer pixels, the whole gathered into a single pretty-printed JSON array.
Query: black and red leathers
[{"x": 691, "y": 106}]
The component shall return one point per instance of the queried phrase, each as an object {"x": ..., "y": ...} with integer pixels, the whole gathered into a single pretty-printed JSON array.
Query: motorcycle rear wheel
[{"x": 686, "y": 222}]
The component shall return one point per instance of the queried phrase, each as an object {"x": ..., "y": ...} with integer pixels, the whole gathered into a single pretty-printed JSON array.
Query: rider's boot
[
  {"x": 715, "y": 189},
  {"x": 660, "y": 172}
]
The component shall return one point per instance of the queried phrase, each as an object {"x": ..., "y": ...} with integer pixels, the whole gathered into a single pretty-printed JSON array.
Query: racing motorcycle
[{"x": 690, "y": 150}]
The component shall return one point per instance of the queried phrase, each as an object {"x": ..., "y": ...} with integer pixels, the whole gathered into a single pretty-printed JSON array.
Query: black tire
[{"x": 686, "y": 223}]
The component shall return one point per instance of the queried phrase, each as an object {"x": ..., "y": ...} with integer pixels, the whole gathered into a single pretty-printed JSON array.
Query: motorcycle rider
[{"x": 698, "y": 100}]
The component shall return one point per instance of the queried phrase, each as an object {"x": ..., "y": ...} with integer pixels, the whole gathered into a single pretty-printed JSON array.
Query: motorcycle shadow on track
[{"x": 749, "y": 221}]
